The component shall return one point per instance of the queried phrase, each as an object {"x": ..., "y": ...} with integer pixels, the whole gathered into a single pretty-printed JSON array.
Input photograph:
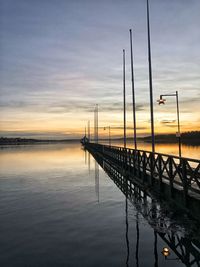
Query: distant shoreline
[
  {"x": 27, "y": 141},
  {"x": 188, "y": 138}
]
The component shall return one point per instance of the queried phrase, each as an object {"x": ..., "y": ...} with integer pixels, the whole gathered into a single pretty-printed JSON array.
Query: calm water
[{"x": 58, "y": 208}]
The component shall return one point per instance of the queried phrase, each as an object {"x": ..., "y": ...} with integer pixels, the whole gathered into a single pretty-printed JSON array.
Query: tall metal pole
[
  {"x": 178, "y": 120},
  {"x": 150, "y": 81},
  {"x": 97, "y": 123},
  {"x": 109, "y": 137},
  {"x": 124, "y": 95},
  {"x": 89, "y": 131},
  {"x": 94, "y": 124},
  {"x": 133, "y": 91}
]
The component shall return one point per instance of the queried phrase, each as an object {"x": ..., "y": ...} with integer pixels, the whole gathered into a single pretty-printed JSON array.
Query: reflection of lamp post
[
  {"x": 109, "y": 134},
  {"x": 166, "y": 252},
  {"x": 178, "y": 134}
]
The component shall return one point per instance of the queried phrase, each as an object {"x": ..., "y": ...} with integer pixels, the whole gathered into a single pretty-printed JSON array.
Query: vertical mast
[
  {"x": 94, "y": 124},
  {"x": 97, "y": 133},
  {"x": 150, "y": 81},
  {"x": 89, "y": 131},
  {"x": 133, "y": 91},
  {"x": 124, "y": 96}
]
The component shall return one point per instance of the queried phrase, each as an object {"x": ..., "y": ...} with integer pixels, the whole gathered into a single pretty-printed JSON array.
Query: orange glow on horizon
[{"x": 73, "y": 125}]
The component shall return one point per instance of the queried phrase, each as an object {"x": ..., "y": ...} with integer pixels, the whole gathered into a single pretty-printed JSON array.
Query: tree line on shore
[{"x": 190, "y": 138}]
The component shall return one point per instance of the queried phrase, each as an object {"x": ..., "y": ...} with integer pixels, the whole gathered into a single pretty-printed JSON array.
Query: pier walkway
[{"x": 175, "y": 178}]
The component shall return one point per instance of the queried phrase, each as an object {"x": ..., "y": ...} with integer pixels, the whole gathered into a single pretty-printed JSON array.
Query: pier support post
[
  {"x": 184, "y": 180},
  {"x": 160, "y": 171},
  {"x": 138, "y": 164},
  {"x": 171, "y": 176},
  {"x": 152, "y": 167},
  {"x": 144, "y": 167}
]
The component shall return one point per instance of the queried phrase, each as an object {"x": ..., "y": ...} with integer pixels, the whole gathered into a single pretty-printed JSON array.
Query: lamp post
[
  {"x": 178, "y": 134},
  {"x": 109, "y": 135}
]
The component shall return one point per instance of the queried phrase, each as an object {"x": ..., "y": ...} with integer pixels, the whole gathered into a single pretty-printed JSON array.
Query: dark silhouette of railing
[
  {"x": 156, "y": 169},
  {"x": 187, "y": 250}
]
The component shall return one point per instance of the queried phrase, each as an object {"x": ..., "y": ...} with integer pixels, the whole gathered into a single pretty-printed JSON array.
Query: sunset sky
[{"x": 58, "y": 58}]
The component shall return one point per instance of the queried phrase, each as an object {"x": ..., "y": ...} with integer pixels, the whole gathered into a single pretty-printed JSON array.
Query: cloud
[
  {"x": 59, "y": 60},
  {"x": 128, "y": 128},
  {"x": 167, "y": 122},
  {"x": 62, "y": 106},
  {"x": 171, "y": 126}
]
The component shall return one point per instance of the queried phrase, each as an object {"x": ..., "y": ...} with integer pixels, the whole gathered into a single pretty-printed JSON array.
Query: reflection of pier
[
  {"x": 96, "y": 171},
  {"x": 97, "y": 180},
  {"x": 187, "y": 250}
]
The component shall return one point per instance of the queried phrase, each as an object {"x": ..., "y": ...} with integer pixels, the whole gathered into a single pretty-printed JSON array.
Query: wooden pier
[
  {"x": 143, "y": 177},
  {"x": 176, "y": 178}
]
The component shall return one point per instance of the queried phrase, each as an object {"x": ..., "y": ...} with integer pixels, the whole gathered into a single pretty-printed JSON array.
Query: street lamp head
[{"x": 161, "y": 100}]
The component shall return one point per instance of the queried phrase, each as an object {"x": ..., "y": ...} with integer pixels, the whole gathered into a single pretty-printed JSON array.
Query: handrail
[
  {"x": 155, "y": 153},
  {"x": 147, "y": 151},
  {"x": 184, "y": 173}
]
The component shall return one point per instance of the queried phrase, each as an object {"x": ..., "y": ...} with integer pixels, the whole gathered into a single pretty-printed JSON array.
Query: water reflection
[
  {"x": 127, "y": 236},
  {"x": 43, "y": 157},
  {"x": 137, "y": 240},
  {"x": 155, "y": 249},
  {"x": 89, "y": 167},
  {"x": 97, "y": 180},
  {"x": 50, "y": 215},
  {"x": 178, "y": 231},
  {"x": 87, "y": 157}
]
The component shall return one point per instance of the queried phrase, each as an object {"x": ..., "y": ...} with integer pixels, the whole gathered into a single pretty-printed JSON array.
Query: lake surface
[{"x": 59, "y": 208}]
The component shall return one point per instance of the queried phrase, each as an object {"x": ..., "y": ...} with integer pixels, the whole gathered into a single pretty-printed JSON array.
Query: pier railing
[{"x": 178, "y": 172}]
